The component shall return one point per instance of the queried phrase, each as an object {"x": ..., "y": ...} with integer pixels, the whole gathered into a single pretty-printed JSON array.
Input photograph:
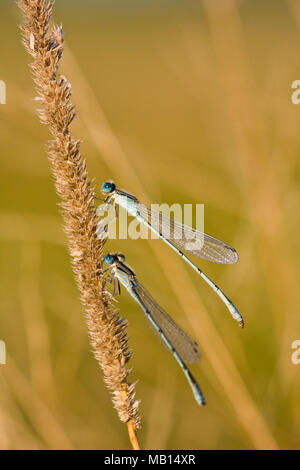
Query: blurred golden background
[{"x": 187, "y": 103}]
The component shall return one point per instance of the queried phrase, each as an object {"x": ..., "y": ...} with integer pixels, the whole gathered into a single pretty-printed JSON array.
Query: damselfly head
[
  {"x": 109, "y": 259},
  {"x": 108, "y": 187}
]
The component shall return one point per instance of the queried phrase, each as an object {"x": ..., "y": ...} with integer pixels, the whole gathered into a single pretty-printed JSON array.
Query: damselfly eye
[
  {"x": 108, "y": 187},
  {"x": 108, "y": 259},
  {"x": 121, "y": 257}
]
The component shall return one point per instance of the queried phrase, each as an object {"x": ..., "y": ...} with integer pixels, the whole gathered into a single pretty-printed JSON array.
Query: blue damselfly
[
  {"x": 179, "y": 237},
  {"x": 173, "y": 337}
]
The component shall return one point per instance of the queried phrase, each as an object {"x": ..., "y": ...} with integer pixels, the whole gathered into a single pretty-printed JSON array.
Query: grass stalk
[{"x": 107, "y": 330}]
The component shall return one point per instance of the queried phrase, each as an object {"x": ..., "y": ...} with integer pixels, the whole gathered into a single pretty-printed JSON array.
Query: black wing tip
[{"x": 234, "y": 256}]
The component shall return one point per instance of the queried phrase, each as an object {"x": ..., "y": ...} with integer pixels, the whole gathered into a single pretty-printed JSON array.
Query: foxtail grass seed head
[{"x": 107, "y": 330}]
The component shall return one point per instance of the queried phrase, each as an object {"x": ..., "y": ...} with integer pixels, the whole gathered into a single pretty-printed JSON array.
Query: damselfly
[
  {"x": 179, "y": 237},
  {"x": 174, "y": 338}
]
